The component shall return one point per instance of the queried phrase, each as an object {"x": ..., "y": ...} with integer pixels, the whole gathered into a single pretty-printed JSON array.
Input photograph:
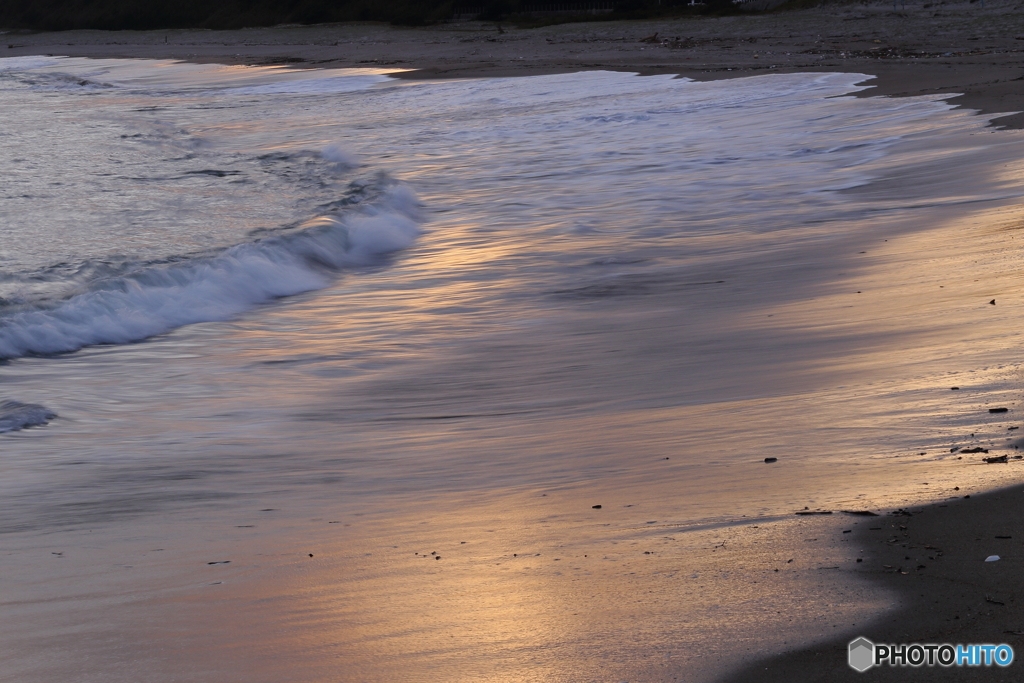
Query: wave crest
[{"x": 379, "y": 217}]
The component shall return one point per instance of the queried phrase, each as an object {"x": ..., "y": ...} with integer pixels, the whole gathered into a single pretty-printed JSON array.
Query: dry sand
[{"x": 922, "y": 50}]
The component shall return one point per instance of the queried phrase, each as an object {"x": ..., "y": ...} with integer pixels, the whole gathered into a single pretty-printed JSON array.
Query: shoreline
[
  {"x": 946, "y": 48},
  {"x": 621, "y": 49}
]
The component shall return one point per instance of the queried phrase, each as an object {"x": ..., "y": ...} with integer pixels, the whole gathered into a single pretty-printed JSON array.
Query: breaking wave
[{"x": 376, "y": 218}]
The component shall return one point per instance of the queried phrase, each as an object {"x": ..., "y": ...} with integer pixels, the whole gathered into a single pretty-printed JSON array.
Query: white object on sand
[{"x": 992, "y": 558}]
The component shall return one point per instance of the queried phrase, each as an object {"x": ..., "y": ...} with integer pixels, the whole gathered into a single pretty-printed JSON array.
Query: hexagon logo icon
[{"x": 862, "y": 654}]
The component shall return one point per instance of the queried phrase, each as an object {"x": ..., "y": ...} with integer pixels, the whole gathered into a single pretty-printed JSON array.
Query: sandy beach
[
  {"x": 923, "y": 49},
  {"x": 934, "y": 559},
  {"x": 917, "y": 575}
]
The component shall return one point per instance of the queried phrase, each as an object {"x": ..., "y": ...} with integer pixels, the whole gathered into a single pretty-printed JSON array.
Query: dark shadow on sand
[{"x": 933, "y": 559}]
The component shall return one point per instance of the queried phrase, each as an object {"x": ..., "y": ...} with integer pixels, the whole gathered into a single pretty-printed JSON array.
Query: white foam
[
  {"x": 336, "y": 154},
  {"x": 158, "y": 299}
]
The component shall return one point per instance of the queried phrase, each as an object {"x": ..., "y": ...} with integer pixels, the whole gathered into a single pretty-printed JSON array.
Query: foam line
[{"x": 159, "y": 298}]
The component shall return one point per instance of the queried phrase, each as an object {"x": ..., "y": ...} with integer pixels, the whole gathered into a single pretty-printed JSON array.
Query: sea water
[{"x": 239, "y": 287}]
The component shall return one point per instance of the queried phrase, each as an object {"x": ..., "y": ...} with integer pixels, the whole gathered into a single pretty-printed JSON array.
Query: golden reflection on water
[
  {"x": 492, "y": 454},
  {"x": 529, "y": 587},
  {"x": 492, "y": 450},
  {"x": 848, "y": 386}
]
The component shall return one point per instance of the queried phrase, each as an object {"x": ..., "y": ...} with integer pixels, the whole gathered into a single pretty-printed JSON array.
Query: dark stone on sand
[
  {"x": 861, "y": 513},
  {"x": 220, "y": 562},
  {"x": 954, "y": 388},
  {"x": 438, "y": 557},
  {"x": 815, "y": 512},
  {"x": 993, "y": 302},
  {"x": 596, "y": 507},
  {"x": 311, "y": 554},
  {"x": 976, "y": 449},
  {"x": 998, "y": 410},
  {"x": 771, "y": 459},
  {"x": 995, "y": 459}
]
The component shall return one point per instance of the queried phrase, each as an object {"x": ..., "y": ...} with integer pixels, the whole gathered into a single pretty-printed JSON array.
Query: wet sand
[
  {"x": 556, "y": 614},
  {"x": 933, "y": 559}
]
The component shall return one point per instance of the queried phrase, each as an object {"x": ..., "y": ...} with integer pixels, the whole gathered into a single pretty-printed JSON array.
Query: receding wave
[
  {"x": 15, "y": 415},
  {"x": 378, "y": 217}
]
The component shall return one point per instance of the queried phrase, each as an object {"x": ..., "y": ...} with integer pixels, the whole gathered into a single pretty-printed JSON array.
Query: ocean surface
[{"x": 349, "y": 295}]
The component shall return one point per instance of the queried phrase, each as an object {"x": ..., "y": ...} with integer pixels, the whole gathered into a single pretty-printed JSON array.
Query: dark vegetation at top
[
  {"x": 116, "y": 15},
  {"x": 143, "y": 15}
]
